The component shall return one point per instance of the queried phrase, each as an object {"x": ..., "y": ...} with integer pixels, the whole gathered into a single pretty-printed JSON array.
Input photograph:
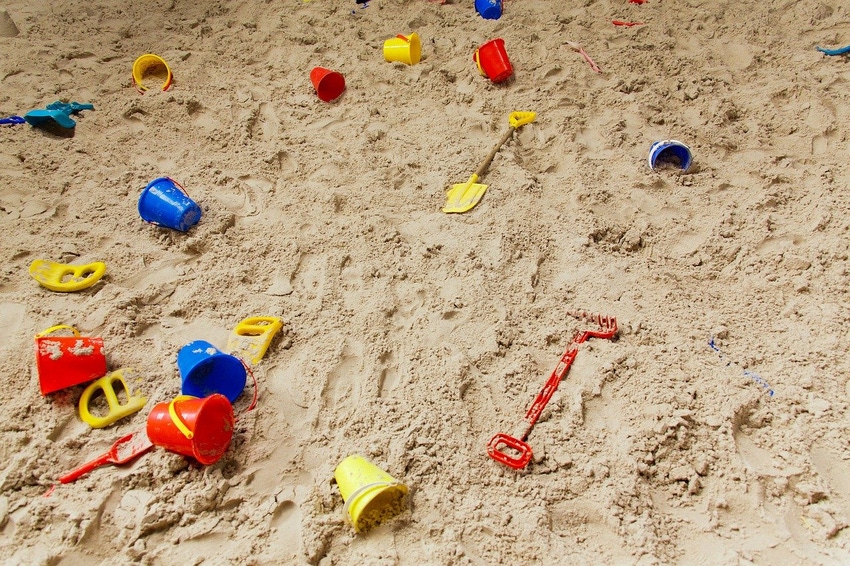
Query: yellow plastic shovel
[{"x": 464, "y": 196}]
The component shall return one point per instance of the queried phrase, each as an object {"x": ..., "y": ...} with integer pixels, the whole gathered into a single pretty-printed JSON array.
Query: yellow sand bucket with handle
[
  {"x": 407, "y": 49},
  {"x": 371, "y": 495},
  {"x": 151, "y": 66}
]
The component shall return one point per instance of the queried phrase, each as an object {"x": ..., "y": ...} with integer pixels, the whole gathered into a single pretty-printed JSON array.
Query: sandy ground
[{"x": 412, "y": 336}]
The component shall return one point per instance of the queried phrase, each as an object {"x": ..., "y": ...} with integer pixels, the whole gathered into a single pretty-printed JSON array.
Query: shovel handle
[
  {"x": 105, "y": 458},
  {"x": 516, "y": 120},
  {"x": 494, "y": 449},
  {"x": 486, "y": 163}
]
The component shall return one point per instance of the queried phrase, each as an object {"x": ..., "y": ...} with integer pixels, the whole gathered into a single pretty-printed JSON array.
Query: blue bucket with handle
[
  {"x": 489, "y": 9},
  {"x": 165, "y": 203},
  {"x": 205, "y": 370}
]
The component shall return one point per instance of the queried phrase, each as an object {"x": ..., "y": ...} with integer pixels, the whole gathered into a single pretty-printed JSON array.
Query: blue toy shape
[{"x": 60, "y": 112}]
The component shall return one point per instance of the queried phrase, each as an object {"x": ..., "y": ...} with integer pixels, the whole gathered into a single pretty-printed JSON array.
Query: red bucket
[
  {"x": 200, "y": 428},
  {"x": 64, "y": 361},
  {"x": 328, "y": 84},
  {"x": 492, "y": 60}
]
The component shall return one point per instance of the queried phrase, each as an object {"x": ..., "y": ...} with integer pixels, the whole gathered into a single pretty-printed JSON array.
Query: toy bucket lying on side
[
  {"x": 489, "y": 9},
  {"x": 206, "y": 370},
  {"x": 200, "y": 428},
  {"x": 670, "y": 152},
  {"x": 370, "y": 494},
  {"x": 150, "y": 65},
  {"x": 64, "y": 361},
  {"x": 406, "y": 49},
  {"x": 328, "y": 84},
  {"x": 492, "y": 60},
  {"x": 165, "y": 203}
]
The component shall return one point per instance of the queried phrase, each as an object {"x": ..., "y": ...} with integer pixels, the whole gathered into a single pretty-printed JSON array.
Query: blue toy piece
[
  {"x": 839, "y": 51},
  {"x": 60, "y": 112},
  {"x": 11, "y": 120}
]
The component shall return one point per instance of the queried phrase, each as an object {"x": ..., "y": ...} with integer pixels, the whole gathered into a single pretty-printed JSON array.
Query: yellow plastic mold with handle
[
  {"x": 117, "y": 410},
  {"x": 252, "y": 337},
  {"x": 65, "y": 278}
]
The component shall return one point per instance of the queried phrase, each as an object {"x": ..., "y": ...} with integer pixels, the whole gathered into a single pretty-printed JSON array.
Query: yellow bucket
[
  {"x": 148, "y": 65},
  {"x": 408, "y": 50},
  {"x": 370, "y": 494}
]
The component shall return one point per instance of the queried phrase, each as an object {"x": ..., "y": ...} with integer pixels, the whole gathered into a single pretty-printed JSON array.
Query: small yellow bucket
[
  {"x": 150, "y": 65},
  {"x": 370, "y": 494},
  {"x": 402, "y": 48}
]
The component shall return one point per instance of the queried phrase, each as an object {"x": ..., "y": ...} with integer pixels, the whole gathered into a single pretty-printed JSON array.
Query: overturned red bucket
[
  {"x": 328, "y": 84},
  {"x": 191, "y": 426},
  {"x": 492, "y": 60},
  {"x": 64, "y": 361}
]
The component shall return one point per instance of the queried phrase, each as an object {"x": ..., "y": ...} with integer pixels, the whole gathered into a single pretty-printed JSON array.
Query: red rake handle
[{"x": 608, "y": 328}]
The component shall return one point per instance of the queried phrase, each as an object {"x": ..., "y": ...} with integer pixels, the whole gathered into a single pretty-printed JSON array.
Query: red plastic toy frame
[{"x": 608, "y": 328}]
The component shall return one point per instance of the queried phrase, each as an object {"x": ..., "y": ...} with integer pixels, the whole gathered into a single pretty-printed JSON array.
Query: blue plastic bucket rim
[{"x": 677, "y": 148}]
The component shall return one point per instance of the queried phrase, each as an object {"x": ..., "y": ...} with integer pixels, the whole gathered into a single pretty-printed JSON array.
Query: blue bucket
[
  {"x": 489, "y": 9},
  {"x": 670, "y": 151},
  {"x": 205, "y": 370},
  {"x": 165, "y": 203}
]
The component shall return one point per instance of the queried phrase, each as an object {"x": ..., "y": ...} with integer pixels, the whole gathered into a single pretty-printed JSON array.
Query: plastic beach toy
[
  {"x": 463, "y": 197},
  {"x": 206, "y": 370},
  {"x": 11, "y": 120},
  {"x": 839, "y": 51},
  {"x": 519, "y": 452},
  {"x": 65, "y": 278},
  {"x": 123, "y": 451},
  {"x": 406, "y": 49},
  {"x": 492, "y": 60},
  {"x": 117, "y": 410},
  {"x": 200, "y": 428},
  {"x": 252, "y": 337},
  {"x": 328, "y": 84},
  {"x": 489, "y": 9},
  {"x": 59, "y": 112},
  {"x": 148, "y": 65},
  {"x": 370, "y": 494},
  {"x": 670, "y": 151},
  {"x": 165, "y": 203},
  {"x": 65, "y": 361}
]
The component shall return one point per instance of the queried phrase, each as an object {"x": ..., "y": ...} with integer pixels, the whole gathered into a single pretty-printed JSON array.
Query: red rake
[{"x": 497, "y": 444}]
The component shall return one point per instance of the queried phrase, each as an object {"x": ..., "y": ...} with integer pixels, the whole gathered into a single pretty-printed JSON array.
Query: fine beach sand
[{"x": 412, "y": 336}]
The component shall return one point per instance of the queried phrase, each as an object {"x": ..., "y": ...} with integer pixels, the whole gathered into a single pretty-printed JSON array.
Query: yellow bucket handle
[
  {"x": 478, "y": 63},
  {"x": 175, "y": 418},
  {"x": 53, "y": 329}
]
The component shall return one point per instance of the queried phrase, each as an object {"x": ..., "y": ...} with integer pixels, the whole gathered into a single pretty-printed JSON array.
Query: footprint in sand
[
  {"x": 343, "y": 388},
  {"x": 248, "y": 200},
  {"x": 263, "y": 125},
  {"x": 308, "y": 281},
  {"x": 11, "y": 320},
  {"x": 388, "y": 378},
  {"x": 836, "y": 473},
  {"x": 286, "y": 523}
]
